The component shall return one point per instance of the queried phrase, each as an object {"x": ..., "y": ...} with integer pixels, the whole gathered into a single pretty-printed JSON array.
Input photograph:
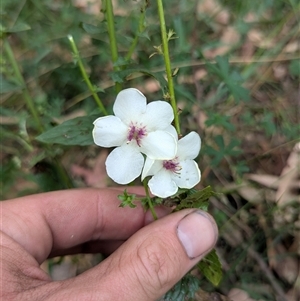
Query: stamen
[
  {"x": 136, "y": 133},
  {"x": 172, "y": 165}
]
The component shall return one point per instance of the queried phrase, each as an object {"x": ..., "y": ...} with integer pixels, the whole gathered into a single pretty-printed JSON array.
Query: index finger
[{"x": 62, "y": 219}]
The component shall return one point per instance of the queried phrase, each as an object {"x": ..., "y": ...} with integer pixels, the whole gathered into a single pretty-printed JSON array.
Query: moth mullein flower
[
  {"x": 137, "y": 128},
  {"x": 181, "y": 171}
]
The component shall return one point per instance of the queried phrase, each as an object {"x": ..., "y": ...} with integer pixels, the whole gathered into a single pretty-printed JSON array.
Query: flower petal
[
  {"x": 170, "y": 129},
  {"x": 189, "y": 175},
  {"x": 124, "y": 164},
  {"x": 109, "y": 131},
  {"x": 159, "y": 115},
  {"x": 189, "y": 146},
  {"x": 159, "y": 145},
  {"x": 129, "y": 105},
  {"x": 162, "y": 185},
  {"x": 151, "y": 167}
]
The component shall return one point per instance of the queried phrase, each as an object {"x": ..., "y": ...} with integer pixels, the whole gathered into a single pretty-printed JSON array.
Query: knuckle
[{"x": 159, "y": 262}]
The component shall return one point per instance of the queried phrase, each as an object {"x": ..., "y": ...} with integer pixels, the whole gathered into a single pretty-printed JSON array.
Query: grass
[{"x": 237, "y": 85}]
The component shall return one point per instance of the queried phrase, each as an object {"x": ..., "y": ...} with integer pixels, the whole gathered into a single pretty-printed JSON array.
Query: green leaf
[
  {"x": 197, "y": 199},
  {"x": 215, "y": 119},
  {"x": 77, "y": 131},
  {"x": 210, "y": 266},
  {"x": 185, "y": 289},
  {"x": 127, "y": 199},
  {"x": 92, "y": 29},
  {"x": 121, "y": 76},
  {"x": 8, "y": 86},
  {"x": 238, "y": 92},
  {"x": 17, "y": 28},
  {"x": 294, "y": 68},
  {"x": 224, "y": 65}
]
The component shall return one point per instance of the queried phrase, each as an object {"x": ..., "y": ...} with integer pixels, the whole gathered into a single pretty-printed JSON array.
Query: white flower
[
  {"x": 182, "y": 171},
  {"x": 136, "y": 128}
]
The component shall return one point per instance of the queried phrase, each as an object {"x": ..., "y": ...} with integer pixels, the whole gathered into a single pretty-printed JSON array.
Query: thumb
[{"x": 156, "y": 257}]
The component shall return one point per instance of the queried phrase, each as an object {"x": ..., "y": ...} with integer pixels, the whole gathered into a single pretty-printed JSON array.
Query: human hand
[{"x": 147, "y": 258}]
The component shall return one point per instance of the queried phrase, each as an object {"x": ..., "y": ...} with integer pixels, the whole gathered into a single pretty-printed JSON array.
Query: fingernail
[{"x": 197, "y": 233}]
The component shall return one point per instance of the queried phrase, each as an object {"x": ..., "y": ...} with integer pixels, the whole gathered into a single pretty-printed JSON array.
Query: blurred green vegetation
[{"x": 237, "y": 85}]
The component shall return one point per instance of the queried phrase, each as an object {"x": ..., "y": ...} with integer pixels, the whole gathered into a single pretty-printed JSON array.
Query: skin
[{"x": 146, "y": 259}]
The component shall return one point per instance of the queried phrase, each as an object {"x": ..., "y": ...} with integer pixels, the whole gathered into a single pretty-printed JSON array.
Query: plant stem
[
  {"x": 30, "y": 104},
  {"x": 26, "y": 95},
  {"x": 64, "y": 176},
  {"x": 168, "y": 63},
  {"x": 145, "y": 183},
  {"x": 85, "y": 76},
  {"x": 112, "y": 38},
  {"x": 139, "y": 31}
]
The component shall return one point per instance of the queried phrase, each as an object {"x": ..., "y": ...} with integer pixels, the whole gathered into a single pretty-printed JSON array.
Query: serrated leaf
[
  {"x": 185, "y": 289},
  {"x": 197, "y": 199},
  {"x": 210, "y": 266},
  {"x": 127, "y": 199},
  {"x": 77, "y": 131}
]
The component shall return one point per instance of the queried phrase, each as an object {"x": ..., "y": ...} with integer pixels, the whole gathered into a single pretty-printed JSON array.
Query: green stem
[
  {"x": 64, "y": 176},
  {"x": 139, "y": 31},
  {"x": 26, "y": 95},
  {"x": 145, "y": 183},
  {"x": 85, "y": 76},
  {"x": 30, "y": 104},
  {"x": 112, "y": 37},
  {"x": 168, "y": 63}
]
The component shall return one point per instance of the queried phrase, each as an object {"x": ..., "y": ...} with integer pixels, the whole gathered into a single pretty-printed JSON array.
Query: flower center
[
  {"x": 172, "y": 165},
  {"x": 136, "y": 133}
]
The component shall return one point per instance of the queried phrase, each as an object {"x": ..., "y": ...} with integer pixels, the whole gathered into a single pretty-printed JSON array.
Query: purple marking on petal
[
  {"x": 136, "y": 133},
  {"x": 172, "y": 165}
]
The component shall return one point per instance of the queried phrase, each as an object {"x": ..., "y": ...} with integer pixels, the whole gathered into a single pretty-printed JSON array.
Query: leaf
[
  {"x": 238, "y": 92},
  {"x": 197, "y": 199},
  {"x": 121, "y": 76},
  {"x": 210, "y": 266},
  {"x": 185, "y": 288},
  {"x": 17, "y": 28},
  {"x": 224, "y": 65},
  {"x": 92, "y": 29},
  {"x": 127, "y": 199},
  {"x": 77, "y": 131},
  {"x": 8, "y": 86}
]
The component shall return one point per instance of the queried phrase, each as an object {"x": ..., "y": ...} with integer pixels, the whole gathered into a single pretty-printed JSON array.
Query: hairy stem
[
  {"x": 145, "y": 183},
  {"x": 168, "y": 64},
  {"x": 30, "y": 105},
  {"x": 85, "y": 76},
  {"x": 112, "y": 37},
  {"x": 139, "y": 31},
  {"x": 29, "y": 101}
]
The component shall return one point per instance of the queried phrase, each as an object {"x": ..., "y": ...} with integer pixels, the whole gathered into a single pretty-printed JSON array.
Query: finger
[
  {"x": 105, "y": 247},
  {"x": 151, "y": 262},
  {"x": 59, "y": 220}
]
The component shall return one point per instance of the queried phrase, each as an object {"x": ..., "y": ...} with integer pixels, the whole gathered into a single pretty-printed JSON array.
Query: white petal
[
  {"x": 151, "y": 167},
  {"x": 189, "y": 146},
  {"x": 189, "y": 175},
  {"x": 124, "y": 164},
  {"x": 159, "y": 115},
  {"x": 109, "y": 131},
  {"x": 162, "y": 185},
  {"x": 170, "y": 129},
  {"x": 159, "y": 145},
  {"x": 130, "y": 104}
]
